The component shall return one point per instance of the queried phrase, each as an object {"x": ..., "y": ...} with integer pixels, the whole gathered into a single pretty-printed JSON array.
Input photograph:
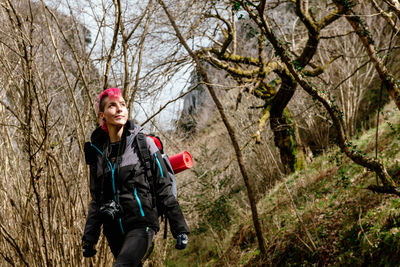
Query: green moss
[{"x": 290, "y": 142}]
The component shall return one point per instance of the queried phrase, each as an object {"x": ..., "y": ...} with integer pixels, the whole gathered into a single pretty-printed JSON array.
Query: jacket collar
[{"x": 100, "y": 137}]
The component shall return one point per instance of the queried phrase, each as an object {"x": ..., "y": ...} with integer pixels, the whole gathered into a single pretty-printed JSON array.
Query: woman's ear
[{"x": 101, "y": 117}]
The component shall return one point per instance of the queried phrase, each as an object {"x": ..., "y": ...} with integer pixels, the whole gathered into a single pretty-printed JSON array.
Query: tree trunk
[
  {"x": 283, "y": 126},
  {"x": 285, "y": 139}
]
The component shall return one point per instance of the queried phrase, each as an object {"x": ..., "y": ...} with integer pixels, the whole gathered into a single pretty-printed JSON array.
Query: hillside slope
[{"x": 323, "y": 215}]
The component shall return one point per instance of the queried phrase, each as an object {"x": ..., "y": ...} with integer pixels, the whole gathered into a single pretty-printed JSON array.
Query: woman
[{"x": 127, "y": 196}]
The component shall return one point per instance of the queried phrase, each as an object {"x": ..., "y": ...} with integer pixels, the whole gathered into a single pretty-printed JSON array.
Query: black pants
[{"x": 129, "y": 249}]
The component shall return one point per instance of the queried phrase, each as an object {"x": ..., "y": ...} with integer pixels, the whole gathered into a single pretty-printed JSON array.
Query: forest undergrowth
[{"x": 323, "y": 215}]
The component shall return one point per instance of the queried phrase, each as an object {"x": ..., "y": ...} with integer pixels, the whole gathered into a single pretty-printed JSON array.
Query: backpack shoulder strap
[
  {"x": 144, "y": 152},
  {"x": 144, "y": 155}
]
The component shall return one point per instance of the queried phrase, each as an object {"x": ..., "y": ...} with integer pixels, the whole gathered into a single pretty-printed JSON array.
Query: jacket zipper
[
  {"x": 115, "y": 192},
  {"x": 138, "y": 201},
  {"x": 113, "y": 184}
]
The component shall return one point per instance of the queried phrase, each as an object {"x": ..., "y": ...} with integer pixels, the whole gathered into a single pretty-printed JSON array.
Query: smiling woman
[{"x": 127, "y": 192}]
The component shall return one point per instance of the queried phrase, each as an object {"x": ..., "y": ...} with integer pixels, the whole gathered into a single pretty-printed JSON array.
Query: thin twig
[
  {"x": 300, "y": 219},
  {"x": 171, "y": 101}
]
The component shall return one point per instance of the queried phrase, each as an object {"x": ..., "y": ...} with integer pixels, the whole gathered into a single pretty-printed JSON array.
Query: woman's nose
[{"x": 119, "y": 108}]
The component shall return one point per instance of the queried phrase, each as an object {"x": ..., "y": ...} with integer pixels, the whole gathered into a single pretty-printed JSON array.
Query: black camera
[{"x": 110, "y": 210}]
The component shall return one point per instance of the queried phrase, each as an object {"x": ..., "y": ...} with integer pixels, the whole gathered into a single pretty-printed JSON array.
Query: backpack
[{"x": 145, "y": 158}]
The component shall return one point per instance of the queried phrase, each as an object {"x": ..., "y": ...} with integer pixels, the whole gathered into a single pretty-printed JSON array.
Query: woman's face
[{"x": 115, "y": 112}]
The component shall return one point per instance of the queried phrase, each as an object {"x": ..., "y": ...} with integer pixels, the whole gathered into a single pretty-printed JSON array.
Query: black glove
[
  {"x": 88, "y": 249},
  {"x": 181, "y": 241}
]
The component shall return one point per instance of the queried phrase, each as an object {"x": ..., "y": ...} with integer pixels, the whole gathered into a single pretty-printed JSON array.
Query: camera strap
[
  {"x": 114, "y": 166},
  {"x": 117, "y": 163}
]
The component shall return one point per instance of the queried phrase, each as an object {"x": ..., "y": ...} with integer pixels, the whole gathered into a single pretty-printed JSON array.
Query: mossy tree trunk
[
  {"x": 286, "y": 140},
  {"x": 284, "y": 126}
]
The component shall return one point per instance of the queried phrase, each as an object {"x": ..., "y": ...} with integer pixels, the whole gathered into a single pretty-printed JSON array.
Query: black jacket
[{"x": 125, "y": 182}]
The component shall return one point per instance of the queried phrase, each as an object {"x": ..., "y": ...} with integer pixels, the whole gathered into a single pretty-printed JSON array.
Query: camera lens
[{"x": 110, "y": 210}]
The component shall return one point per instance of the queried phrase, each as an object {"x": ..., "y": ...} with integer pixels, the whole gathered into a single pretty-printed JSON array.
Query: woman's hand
[{"x": 181, "y": 241}]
